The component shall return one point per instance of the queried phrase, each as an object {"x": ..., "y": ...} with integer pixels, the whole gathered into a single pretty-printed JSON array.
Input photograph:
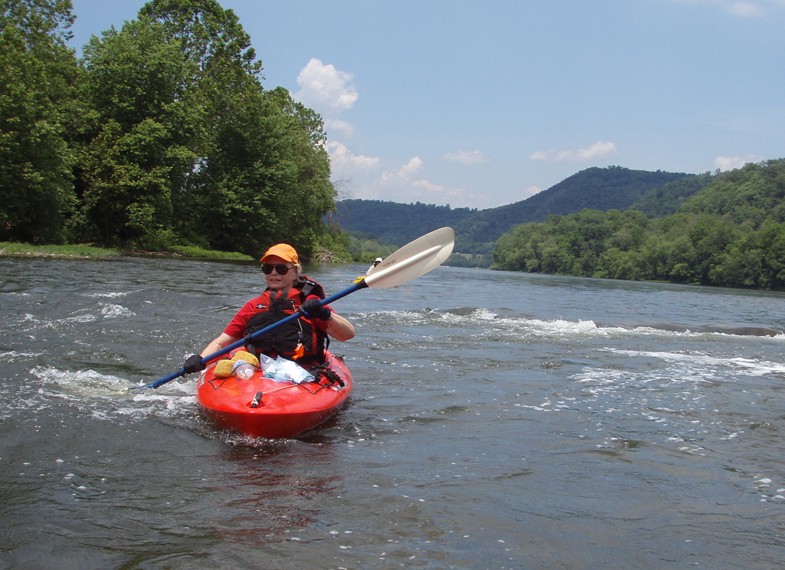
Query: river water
[{"x": 499, "y": 420}]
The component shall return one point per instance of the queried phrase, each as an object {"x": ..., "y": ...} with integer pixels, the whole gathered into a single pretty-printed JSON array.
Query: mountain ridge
[{"x": 609, "y": 188}]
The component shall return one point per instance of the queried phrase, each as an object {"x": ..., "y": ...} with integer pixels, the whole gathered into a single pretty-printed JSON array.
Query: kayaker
[
  {"x": 302, "y": 339},
  {"x": 376, "y": 262}
]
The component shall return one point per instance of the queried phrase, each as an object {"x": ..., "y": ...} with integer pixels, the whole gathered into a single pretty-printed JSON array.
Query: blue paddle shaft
[{"x": 237, "y": 344}]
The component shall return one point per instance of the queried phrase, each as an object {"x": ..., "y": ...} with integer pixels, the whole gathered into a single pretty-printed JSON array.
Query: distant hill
[
  {"x": 602, "y": 189},
  {"x": 731, "y": 233},
  {"x": 394, "y": 223}
]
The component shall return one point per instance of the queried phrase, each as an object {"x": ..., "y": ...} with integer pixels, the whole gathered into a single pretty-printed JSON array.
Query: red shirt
[{"x": 236, "y": 327}]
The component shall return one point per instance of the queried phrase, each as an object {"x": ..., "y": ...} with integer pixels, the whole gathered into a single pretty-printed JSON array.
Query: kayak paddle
[{"x": 412, "y": 260}]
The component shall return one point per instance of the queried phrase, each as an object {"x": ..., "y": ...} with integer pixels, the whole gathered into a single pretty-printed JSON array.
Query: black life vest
[{"x": 298, "y": 339}]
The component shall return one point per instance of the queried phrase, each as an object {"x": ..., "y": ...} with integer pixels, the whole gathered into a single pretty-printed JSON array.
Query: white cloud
[
  {"x": 342, "y": 157},
  {"x": 600, "y": 149},
  {"x": 437, "y": 193},
  {"x": 406, "y": 186},
  {"x": 746, "y": 9},
  {"x": 429, "y": 186},
  {"x": 338, "y": 125},
  {"x": 413, "y": 166},
  {"x": 742, "y": 8},
  {"x": 327, "y": 90},
  {"x": 404, "y": 173},
  {"x": 331, "y": 92},
  {"x": 466, "y": 157},
  {"x": 732, "y": 162},
  {"x": 531, "y": 191}
]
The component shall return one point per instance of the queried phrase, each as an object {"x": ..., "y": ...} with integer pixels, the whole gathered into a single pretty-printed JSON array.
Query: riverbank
[{"x": 86, "y": 251}]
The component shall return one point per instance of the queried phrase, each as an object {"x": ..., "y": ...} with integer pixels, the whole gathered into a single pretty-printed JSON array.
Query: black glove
[
  {"x": 313, "y": 308},
  {"x": 193, "y": 364}
]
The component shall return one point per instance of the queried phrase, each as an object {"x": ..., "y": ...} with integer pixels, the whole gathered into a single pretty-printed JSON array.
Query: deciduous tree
[{"x": 37, "y": 75}]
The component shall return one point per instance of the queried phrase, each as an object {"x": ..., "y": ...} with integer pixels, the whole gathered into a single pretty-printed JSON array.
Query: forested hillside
[
  {"x": 394, "y": 223},
  {"x": 477, "y": 230},
  {"x": 161, "y": 135},
  {"x": 668, "y": 198},
  {"x": 731, "y": 233}
]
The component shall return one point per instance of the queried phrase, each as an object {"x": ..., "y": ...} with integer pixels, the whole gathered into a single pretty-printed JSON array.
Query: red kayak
[{"x": 262, "y": 407}]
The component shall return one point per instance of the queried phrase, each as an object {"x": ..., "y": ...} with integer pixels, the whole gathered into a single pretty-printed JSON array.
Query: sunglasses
[{"x": 280, "y": 268}]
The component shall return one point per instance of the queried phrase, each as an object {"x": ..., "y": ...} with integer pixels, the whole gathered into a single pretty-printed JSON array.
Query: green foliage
[
  {"x": 750, "y": 195},
  {"x": 333, "y": 246},
  {"x": 14, "y": 249},
  {"x": 195, "y": 252},
  {"x": 365, "y": 248},
  {"x": 37, "y": 75},
  {"x": 392, "y": 222},
  {"x": 729, "y": 234},
  {"x": 667, "y": 199},
  {"x": 265, "y": 181},
  {"x": 161, "y": 136},
  {"x": 210, "y": 36}
]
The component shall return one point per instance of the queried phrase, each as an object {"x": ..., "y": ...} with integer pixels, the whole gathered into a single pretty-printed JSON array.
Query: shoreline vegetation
[{"x": 87, "y": 251}]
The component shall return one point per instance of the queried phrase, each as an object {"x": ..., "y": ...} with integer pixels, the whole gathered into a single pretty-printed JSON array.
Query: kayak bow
[{"x": 263, "y": 407}]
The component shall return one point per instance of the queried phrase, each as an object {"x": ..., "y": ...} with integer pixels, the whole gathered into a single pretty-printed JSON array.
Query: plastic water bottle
[{"x": 243, "y": 370}]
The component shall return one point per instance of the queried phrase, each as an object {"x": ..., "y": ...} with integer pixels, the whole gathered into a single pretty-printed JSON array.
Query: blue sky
[{"x": 484, "y": 103}]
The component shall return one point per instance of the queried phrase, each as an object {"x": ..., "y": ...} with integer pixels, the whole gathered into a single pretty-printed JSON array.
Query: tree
[
  {"x": 752, "y": 194},
  {"x": 268, "y": 180},
  {"x": 146, "y": 126},
  {"x": 188, "y": 146},
  {"x": 37, "y": 75},
  {"x": 210, "y": 36}
]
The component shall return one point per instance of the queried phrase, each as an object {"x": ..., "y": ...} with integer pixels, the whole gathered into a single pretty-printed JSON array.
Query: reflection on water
[{"x": 261, "y": 500}]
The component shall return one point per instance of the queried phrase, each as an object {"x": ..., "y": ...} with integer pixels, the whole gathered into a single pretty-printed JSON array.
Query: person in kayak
[
  {"x": 376, "y": 262},
  {"x": 288, "y": 291}
]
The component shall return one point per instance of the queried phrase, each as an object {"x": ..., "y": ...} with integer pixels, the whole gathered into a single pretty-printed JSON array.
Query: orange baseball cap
[{"x": 284, "y": 251}]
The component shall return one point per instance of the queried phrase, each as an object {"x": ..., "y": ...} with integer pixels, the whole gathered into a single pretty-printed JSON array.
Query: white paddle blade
[{"x": 412, "y": 260}]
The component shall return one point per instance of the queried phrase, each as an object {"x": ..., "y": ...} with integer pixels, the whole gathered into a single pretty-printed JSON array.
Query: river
[{"x": 499, "y": 420}]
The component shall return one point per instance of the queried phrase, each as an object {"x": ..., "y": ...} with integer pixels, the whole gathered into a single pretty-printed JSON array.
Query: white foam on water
[
  {"x": 181, "y": 403},
  {"x": 563, "y": 328},
  {"x": 112, "y": 311},
  {"x": 81, "y": 382},
  {"x": 16, "y": 355},
  {"x": 769, "y": 491},
  {"x": 482, "y": 314},
  {"x": 487, "y": 319},
  {"x": 105, "y": 397},
  {"x": 102, "y": 311},
  {"x": 557, "y": 328},
  {"x": 83, "y": 315},
  {"x": 739, "y": 365},
  {"x": 110, "y": 294}
]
